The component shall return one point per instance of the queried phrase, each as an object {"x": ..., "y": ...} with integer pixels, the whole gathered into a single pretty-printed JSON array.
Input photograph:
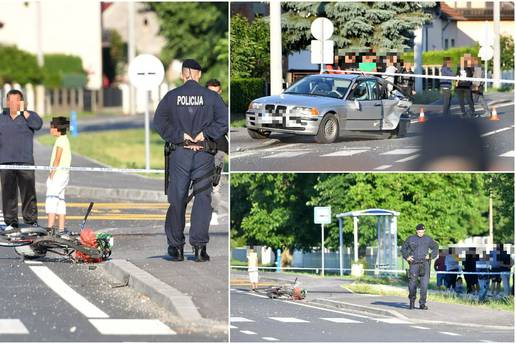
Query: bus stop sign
[{"x": 322, "y": 215}]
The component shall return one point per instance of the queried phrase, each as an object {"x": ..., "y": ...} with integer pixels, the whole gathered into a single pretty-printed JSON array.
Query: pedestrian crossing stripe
[
  {"x": 342, "y": 320},
  {"x": 239, "y": 319},
  {"x": 509, "y": 154},
  {"x": 270, "y": 339},
  {"x": 393, "y": 321},
  {"x": 120, "y": 327},
  {"x": 288, "y": 320},
  {"x": 247, "y": 332},
  {"x": 402, "y": 151},
  {"x": 285, "y": 155},
  {"x": 12, "y": 326},
  {"x": 450, "y": 333},
  {"x": 346, "y": 152}
]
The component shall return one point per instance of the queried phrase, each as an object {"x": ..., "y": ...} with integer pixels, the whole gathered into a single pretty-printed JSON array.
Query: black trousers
[
  {"x": 419, "y": 270},
  {"x": 465, "y": 93},
  {"x": 184, "y": 166},
  {"x": 25, "y": 181},
  {"x": 446, "y": 92},
  {"x": 480, "y": 96}
]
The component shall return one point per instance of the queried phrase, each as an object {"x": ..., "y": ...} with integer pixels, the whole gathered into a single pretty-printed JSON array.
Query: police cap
[
  {"x": 420, "y": 227},
  {"x": 191, "y": 64}
]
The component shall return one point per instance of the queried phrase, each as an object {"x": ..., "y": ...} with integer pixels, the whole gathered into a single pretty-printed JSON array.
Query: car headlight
[
  {"x": 305, "y": 111},
  {"x": 255, "y": 106}
]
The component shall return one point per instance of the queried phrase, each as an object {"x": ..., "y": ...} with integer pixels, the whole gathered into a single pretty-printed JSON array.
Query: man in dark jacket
[
  {"x": 17, "y": 127},
  {"x": 188, "y": 117},
  {"x": 464, "y": 87},
  {"x": 418, "y": 250}
]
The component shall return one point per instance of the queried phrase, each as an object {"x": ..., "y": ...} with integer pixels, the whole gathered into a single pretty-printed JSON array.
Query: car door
[
  {"x": 364, "y": 106},
  {"x": 394, "y": 105}
]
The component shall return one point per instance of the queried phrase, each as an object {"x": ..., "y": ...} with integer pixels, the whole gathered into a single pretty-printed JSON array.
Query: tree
[
  {"x": 501, "y": 186},
  {"x": 249, "y": 47},
  {"x": 378, "y": 25}
]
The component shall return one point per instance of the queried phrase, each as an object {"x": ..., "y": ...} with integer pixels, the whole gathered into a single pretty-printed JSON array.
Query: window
[
  {"x": 453, "y": 42},
  {"x": 446, "y": 43},
  {"x": 365, "y": 90}
]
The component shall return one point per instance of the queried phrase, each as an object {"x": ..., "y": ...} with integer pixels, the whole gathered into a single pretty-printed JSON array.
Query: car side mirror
[{"x": 357, "y": 105}]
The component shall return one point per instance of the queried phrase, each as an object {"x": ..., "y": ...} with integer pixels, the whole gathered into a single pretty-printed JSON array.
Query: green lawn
[{"x": 237, "y": 120}]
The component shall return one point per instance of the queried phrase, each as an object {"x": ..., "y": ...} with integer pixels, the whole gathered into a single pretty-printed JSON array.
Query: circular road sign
[
  {"x": 322, "y": 29},
  {"x": 146, "y": 72},
  {"x": 486, "y": 53}
]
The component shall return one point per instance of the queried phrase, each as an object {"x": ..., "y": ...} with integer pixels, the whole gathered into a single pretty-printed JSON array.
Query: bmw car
[{"x": 327, "y": 106}]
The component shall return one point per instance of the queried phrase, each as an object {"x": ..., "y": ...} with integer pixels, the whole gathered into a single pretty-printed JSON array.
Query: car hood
[{"x": 300, "y": 100}]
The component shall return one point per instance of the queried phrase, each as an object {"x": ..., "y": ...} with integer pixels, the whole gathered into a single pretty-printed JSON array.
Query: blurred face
[
  {"x": 54, "y": 131},
  {"x": 217, "y": 89},
  {"x": 420, "y": 232},
  {"x": 14, "y": 103}
]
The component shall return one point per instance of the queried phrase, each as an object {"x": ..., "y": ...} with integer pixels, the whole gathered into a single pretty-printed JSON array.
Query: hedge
[
  {"x": 243, "y": 91},
  {"x": 61, "y": 70},
  {"x": 436, "y": 57}
]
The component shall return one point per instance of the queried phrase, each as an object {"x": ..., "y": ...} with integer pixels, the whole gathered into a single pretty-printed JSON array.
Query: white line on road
[
  {"x": 450, "y": 333},
  {"x": 346, "y": 152},
  {"x": 239, "y": 319},
  {"x": 233, "y": 327},
  {"x": 393, "y": 321},
  {"x": 32, "y": 262},
  {"x": 285, "y": 155},
  {"x": 288, "y": 320},
  {"x": 342, "y": 320},
  {"x": 238, "y": 155},
  {"x": 68, "y": 294},
  {"x": 12, "y": 326},
  {"x": 247, "y": 332},
  {"x": 489, "y": 133},
  {"x": 401, "y": 151},
  {"x": 270, "y": 339},
  {"x": 420, "y": 327},
  {"x": 383, "y": 167},
  {"x": 328, "y": 310},
  {"x": 412, "y": 157},
  {"x": 509, "y": 154},
  {"x": 131, "y": 327}
]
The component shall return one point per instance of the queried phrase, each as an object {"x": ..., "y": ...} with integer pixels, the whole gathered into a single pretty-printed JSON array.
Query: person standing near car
[
  {"x": 463, "y": 87},
  {"x": 418, "y": 250},
  {"x": 188, "y": 118},
  {"x": 478, "y": 87},
  {"x": 446, "y": 85},
  {"x": 17, "y": 127}
]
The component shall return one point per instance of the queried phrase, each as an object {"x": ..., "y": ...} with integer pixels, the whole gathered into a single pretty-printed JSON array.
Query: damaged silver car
[{"x": 329, "y": 105}]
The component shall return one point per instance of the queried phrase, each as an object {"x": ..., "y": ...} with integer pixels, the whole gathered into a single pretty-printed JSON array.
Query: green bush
[
  {"x": 243, "y": 91},
  {"x": 436, "y": 57},
  {"x": 18, "y": 66},
  {"x": 61, "y": 70}
]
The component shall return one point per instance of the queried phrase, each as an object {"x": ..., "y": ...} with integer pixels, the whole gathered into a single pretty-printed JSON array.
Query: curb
[{"x": 161, "y": 293}]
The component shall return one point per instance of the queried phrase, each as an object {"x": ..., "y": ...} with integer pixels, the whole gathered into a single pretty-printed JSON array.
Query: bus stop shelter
[{"x": 387, "y": 231}]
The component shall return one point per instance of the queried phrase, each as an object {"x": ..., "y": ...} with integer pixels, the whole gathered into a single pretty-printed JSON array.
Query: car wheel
[
  {"x": 328, "y": 129},
  {"x": 258, "y": 134},
  {"x": 401, "y": 129}
]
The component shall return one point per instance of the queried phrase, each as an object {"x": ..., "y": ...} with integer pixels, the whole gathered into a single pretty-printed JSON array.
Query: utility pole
[
  {"x": 491, "y": 238},
  {"x": 131, "y": 53},
  {"x": 39, "y": 29},
  {"x": 418, "y": 57},
  {"x": 496, "y": 61},
  {"x": 276, "y": 48}
]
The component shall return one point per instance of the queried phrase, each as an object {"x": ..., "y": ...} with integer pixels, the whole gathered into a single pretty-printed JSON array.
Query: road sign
[
  {"x": 486, "y": 53},
  {"x": 322, "y": 215},
  {"x": 146, "y": 72},
  {"x": 322, "y": 29},
  {"x": 318, "y": 55}
]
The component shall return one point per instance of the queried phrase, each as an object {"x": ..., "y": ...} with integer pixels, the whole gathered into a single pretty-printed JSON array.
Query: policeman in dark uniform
[
  {"x": 187, "y": 118},
  {"x": 416, "y": 250}
]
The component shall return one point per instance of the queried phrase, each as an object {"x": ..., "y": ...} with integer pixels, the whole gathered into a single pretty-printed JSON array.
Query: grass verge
[{"x": 237, "y": 120}]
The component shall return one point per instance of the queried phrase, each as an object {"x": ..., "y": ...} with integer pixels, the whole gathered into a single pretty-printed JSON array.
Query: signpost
[
  {"x": 486, "y": 52},
  {"x": 322, "y": 216},
  {"x": 322, "y": 46},
  {"x": 146, "y": 72}
]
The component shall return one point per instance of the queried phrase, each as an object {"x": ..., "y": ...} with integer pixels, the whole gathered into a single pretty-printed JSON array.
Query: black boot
[
  {"x": 423, "y": 307},
  {"x": 412, "y": 306},
  {"x": 200, "y": 254},
  {"x": 176, "y": 253}
]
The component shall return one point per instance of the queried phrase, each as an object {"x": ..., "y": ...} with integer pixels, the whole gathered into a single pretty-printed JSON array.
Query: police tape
[
  {"x": 375, "y": 270},
  {"x": 84, "y": 169},
  {"x": 424, "y": 76}
]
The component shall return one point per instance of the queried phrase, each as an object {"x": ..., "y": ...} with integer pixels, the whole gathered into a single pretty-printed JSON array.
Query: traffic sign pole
[{"x": 322, "y": 249}]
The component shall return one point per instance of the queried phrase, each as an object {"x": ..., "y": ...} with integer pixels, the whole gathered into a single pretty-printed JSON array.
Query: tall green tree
[
  {"x": 501, "y": 187},
  {"x": 379, "y": 25}
]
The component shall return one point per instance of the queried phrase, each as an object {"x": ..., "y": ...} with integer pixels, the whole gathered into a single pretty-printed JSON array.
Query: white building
[{"x": 66, "y": 27}]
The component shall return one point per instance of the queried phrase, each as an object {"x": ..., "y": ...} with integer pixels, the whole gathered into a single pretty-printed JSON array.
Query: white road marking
[
  {"x": 420, "y": 327},
  {"x": 347, "y": 152},
  {"x": 288, "y": 320},
  {"x": 342, "y": 320},
  {"x": 238, "y": 155},
  {"x": 12, "y": 326},
  {"x": 270, "y": 339},
  {"x": 489, "y": 133},
  {"x": 393, "y": 321},
  {"x": 450, "y": 333},
  {"x": 33, "y": 262},
  {"x": 285, "y": 155},
  {"x": 383, "y": 167},
  {"x": 233, "y": 327},
  {"x": 281, "y": 147},
  {"x": 509, "y": 154},
  {"x": 68, "y": 294},
  {"x": 412, "y": 157},
  {"x": 239, "y": 319},
  {"x": 401, "y": 151},
  {"x": 131, "y": 327},
  {"x": 247, "y": 332},
  {"x": 328, "y": 310}
]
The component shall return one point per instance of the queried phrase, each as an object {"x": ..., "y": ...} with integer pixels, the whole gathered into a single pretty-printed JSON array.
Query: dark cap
[
  {"x": 192, "y": 64},
  {"x": 420, "y": 227}
]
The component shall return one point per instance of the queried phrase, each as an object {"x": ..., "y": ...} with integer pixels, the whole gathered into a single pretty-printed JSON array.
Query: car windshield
[{"x": 320, "y": 85}]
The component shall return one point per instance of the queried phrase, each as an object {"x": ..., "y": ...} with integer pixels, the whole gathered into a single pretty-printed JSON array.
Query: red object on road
[{"x": 421, "y": 115}]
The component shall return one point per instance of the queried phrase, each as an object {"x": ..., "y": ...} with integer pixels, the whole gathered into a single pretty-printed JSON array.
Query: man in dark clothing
[
  {"x": 406, "y": 83},
  {"x": 439, "y": 266},
  {"x": 470, "y": 265},
  {"x": 415, "y": 251},
  {"x": 463, "y": 87},
  {"x": 446, "y": 85},
  {"x": 189, "y": 117},
  {"x": 17, "y": 127}
]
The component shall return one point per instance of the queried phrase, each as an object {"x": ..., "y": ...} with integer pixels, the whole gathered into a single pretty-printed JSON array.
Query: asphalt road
[
  {"x": 284, "y": 152},
  {"x": 256, "y": 318},
  {"x": 35, "y": 293}
]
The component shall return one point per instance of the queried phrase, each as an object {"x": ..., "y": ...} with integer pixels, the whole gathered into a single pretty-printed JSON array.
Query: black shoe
[
  {"x": 411, "y": 306},
  {"x": 423, "y": 307},
  {"x": 200, "y": 254},
  {"x": 176, "y": 253}
]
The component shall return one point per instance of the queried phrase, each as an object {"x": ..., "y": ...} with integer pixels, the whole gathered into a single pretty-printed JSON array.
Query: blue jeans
[
  {"x": 440, "y": 279},
  {"x": 484, "y": 288}
]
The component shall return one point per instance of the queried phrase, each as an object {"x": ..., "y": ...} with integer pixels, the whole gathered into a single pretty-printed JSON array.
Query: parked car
[{"x": 328, "y": 105}]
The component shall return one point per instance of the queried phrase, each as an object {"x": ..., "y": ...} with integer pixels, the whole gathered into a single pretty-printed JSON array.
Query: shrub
[
  {"x": 18, "y": 66},
  {"x": 243, "y": 91},
  {"x": 61, "y": 70}
]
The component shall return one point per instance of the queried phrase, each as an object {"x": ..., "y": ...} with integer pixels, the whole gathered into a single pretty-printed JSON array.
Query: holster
[{"x": 168, "y": 149}]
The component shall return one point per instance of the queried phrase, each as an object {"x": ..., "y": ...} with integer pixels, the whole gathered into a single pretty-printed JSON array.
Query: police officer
[
  {"x": 187, "y": 117},
  {"x": 416, "y": 251}
]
